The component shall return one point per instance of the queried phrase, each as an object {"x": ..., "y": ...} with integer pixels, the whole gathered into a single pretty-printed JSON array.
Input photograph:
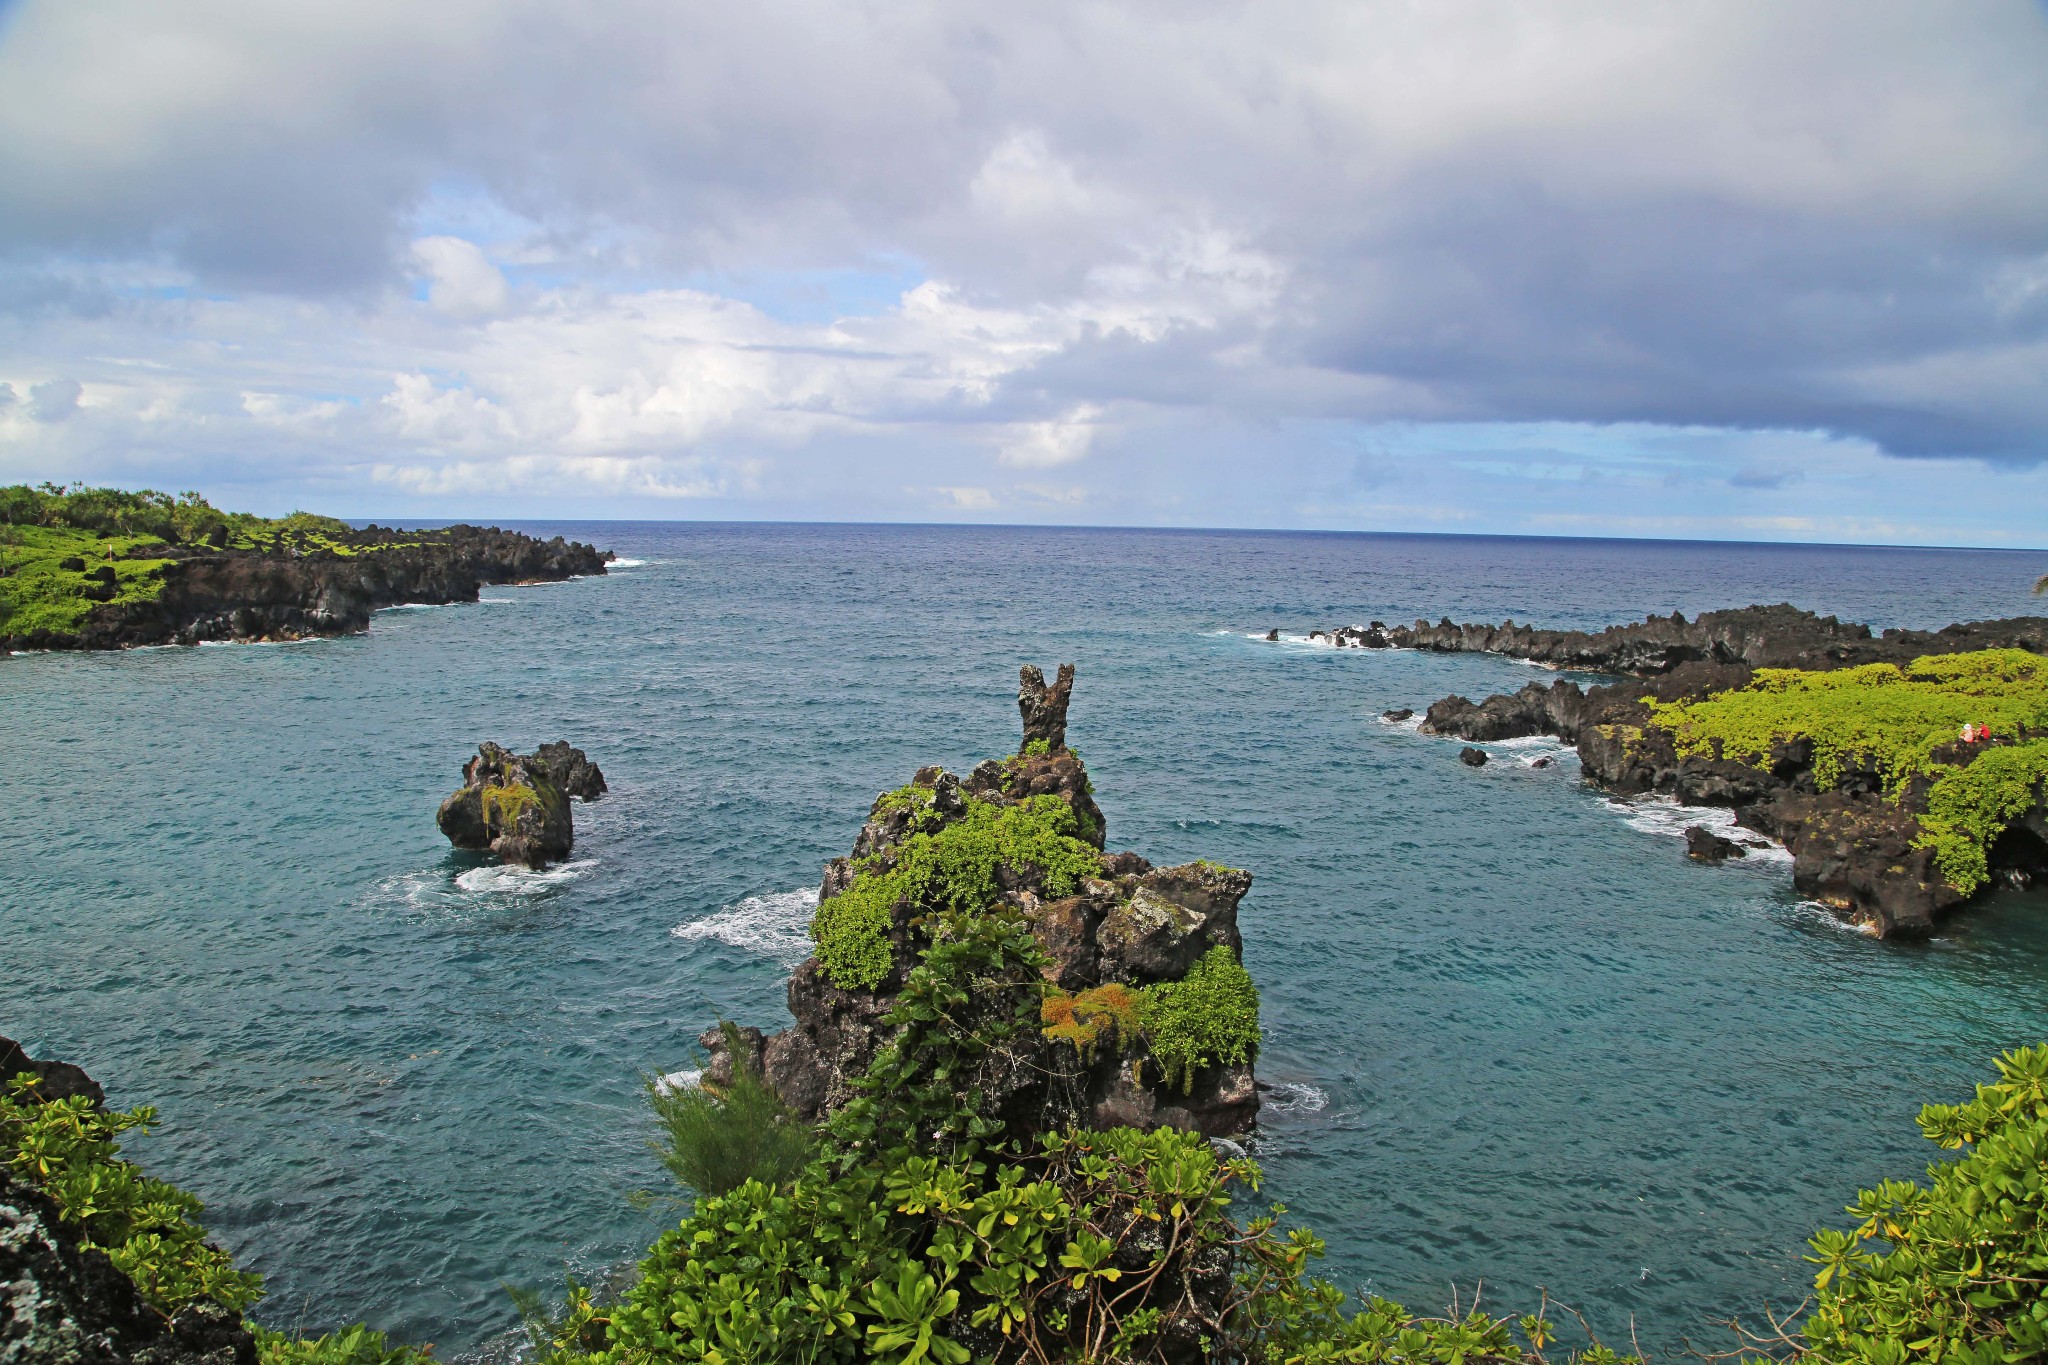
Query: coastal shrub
[
  {"x": 1969, "y": 807},
  {"x": 1957, "y": 1269},
  {"x": 1208, "y": 1017},
  {"x": 714, "y": 1142},
  {"x": 1889, "y": 717},
  {"x": 357, "y": 1345},
  {"x": 69, "y": 1149},
  {"x": 952, "y": 868}
]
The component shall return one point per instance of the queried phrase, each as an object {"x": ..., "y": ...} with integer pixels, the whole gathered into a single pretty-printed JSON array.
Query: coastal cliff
[
  {"x": 1843, "y": 745},
  {"x": 103, "y": 569},
  {"x": 1127, "y": 949}
]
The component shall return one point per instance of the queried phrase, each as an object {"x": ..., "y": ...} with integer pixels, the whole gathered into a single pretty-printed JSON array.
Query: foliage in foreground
[
  {"x": 1962, "y": 1273},
  {"x": 1893, "y": 719},
  {"x": 70, "y": 1150}
]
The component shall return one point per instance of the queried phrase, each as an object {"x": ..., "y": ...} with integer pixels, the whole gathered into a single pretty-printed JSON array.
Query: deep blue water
[{"x": 1548, "y": 1050}]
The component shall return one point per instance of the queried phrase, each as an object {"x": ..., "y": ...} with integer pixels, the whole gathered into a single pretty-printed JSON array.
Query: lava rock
[
  {"x": 510, "y": 805},
  {"x": 1471, "y": 757},
  {"x": 1703, "y": 845},
  {"x": 570, "y": 770},
  {"x": 54, "y": 1080},
  {"x": 1398, "y": 714}
]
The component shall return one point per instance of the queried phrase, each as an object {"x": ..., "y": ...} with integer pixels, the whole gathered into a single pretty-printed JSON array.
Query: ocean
[{"x": 1519, "y": 1044}]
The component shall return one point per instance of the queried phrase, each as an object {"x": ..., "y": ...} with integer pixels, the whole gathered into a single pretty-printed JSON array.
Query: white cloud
[
  {"x": 464, "y": 282},
  {"x": 1042, "y": 445}
]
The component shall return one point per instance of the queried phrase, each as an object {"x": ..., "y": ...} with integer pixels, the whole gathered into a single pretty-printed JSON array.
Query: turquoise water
[{"x": 1520, "y": 1038}]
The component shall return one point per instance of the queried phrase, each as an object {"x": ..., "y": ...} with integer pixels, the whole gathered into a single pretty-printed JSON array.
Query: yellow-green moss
[
  {"x": 504, "y": 804},
  {"x": 37, "y": 594},
  {"x": 1110, "y": 1012}
]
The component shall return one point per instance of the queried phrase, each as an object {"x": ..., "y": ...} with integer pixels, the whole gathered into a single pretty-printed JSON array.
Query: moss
[
  {"x": 1111, "y": 1011},
  {"x": 1209, "y": 1017},
  {"x": 503, "y": 805},
  {"x": 951, "y": 868}
]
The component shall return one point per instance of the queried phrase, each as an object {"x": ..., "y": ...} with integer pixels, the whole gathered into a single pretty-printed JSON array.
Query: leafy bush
[
  {"x": 1208, "y": 1017},
  {"x": 1894, "y": 719},
  {"x": 1963, "y": 1273},
  {"x": 68, "y": 1149},
  {"x": 357, "y": 1345},
  {"x": 714, "y": 1143},
  {"x": 949, "y": 869}
]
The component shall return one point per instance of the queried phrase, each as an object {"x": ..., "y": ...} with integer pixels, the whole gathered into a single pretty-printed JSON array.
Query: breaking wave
[{"x": 777, "y": 925}]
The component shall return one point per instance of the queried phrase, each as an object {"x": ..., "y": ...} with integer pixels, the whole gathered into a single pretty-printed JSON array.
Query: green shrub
[
  {"x": 1208, "y": 1017},
  {"x": 949, "y": 869},
  {"x": 713, "y": 1143},
  {"x": 1969, "y": 807},
  {"x": 357, "y": 1345},
  {"x": 69, "y": 1149},
  {"x": 1962, "y": 1273}
]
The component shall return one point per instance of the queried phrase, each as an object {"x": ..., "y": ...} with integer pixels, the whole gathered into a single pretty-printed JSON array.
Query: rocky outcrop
[
  {"x": 54, "y": 1080},
  {"x": 517, "y": 805},
  {"x": 65, "y": 1303},
  {"x": 212, "y": 593},
  {"x": 1852, "y": 845},
  {"x": 1471, "y": 757},
  {"x": 1131, "y": 924},
  {"x": 1703, "y": 845},
  {"x": 1781, "y": 636}
]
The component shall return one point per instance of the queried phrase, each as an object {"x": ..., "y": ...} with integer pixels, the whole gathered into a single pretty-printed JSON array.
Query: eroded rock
[{"x": 512, "y": 805}]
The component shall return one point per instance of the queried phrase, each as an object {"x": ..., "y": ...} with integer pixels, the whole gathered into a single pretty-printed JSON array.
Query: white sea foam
[
  {"x": 520, "y": 881},
  {"x": 1412, "y": 724},
  {"x": 628, "y": 563},
  {"x": 678, "y": 1080},
  {"x": 1294, "y": 1097},
  {"x": 1662, "y": 815},
  {"x": 1826, "y": 915},
  {"x": 775, "y": 925},
  {"x": 416, "y": 606},
  {"x": 499, "y": 601}
]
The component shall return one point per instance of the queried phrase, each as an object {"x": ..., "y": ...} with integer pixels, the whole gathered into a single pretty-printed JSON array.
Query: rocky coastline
[
  {"x": 321, "y": 586},
  {"x": 1125, "y": 926},
  {"x": 1855, "y": 832}
]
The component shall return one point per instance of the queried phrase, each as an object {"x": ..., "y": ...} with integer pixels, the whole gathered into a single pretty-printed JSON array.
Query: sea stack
[{"x": 517, "y": 805}]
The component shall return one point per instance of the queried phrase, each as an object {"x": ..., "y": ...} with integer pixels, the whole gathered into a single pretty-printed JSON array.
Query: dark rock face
[
  {"x": 1852, "y": 847},
  {"x": 1044, "y": 708},
  {"x": 1782, "y": 636},
  {"x": 55, "y": 1080},
  {"x": 1471, "y": 757},
  {"x": 63, "y": 1303},
  {"x": 516, "y": 805},
  {"x": 1703, "y": 845},
  {"x": 1401, "y": 713},
  {"x": 1133, "y": 923},
  {"x": 249, "y": 595}
]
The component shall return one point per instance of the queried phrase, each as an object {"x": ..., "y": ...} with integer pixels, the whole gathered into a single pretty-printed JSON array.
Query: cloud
[
  {"x": 1081, "y": 227},
  {"x": 54, "y": 400}
]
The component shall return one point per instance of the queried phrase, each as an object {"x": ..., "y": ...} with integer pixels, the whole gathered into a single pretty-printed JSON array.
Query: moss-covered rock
[{"x": 514, "y": 805}]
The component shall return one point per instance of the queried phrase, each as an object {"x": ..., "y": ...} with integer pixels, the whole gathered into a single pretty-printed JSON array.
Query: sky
[{"x": 1724, "y": 270}]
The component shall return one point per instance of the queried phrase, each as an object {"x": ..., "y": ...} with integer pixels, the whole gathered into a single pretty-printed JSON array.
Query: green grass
[{"x": 35, "y": 594}]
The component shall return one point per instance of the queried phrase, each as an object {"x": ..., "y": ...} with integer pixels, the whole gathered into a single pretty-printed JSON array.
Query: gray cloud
[
  {"x": 1829, "y": 216},
  {"x": 54, "y": 400}
]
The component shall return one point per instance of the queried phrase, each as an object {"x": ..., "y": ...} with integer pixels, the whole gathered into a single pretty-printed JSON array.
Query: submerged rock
[
  {"x": 517, "y": 806},
  {"x": 1471, "y": 757},
  {"x": 1129, "y": 925}
]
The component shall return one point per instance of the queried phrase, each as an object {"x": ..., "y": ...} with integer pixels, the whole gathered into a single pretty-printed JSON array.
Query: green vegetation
[
  {"x": 1208, "y": 1017},
  {"x": 1892, "y": 720},
  {"x": 503, "y": 804},
  {"x": 1037, "y": 748},
  {"x": 949, "y": 869},
  {"x": 52, "y": 537},
  {"x": 1963, "y": 1273},
  {"x": 716, "y": 1142},
  {"x": 70, "y": 1150}
]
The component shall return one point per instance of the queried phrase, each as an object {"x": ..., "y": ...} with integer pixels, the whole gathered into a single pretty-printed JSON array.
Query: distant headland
[{"x": 105, "y": 568}]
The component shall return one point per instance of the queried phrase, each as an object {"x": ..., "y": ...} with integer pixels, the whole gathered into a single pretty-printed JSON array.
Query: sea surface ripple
[{"x": 1517, "y": 1037}]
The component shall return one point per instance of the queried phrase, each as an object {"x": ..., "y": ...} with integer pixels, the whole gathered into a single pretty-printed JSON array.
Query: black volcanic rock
[
  {"x": 1471, "y": 757},
  {"x": 514, "y": 805},
  {"x": 1132, "y": 923},
  {"x": 1852, "y": 849},
  {"x": 1703, "y": 845},
  {"x": 225, "y": 594},
  {"x": 54, "y": 1080}
]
